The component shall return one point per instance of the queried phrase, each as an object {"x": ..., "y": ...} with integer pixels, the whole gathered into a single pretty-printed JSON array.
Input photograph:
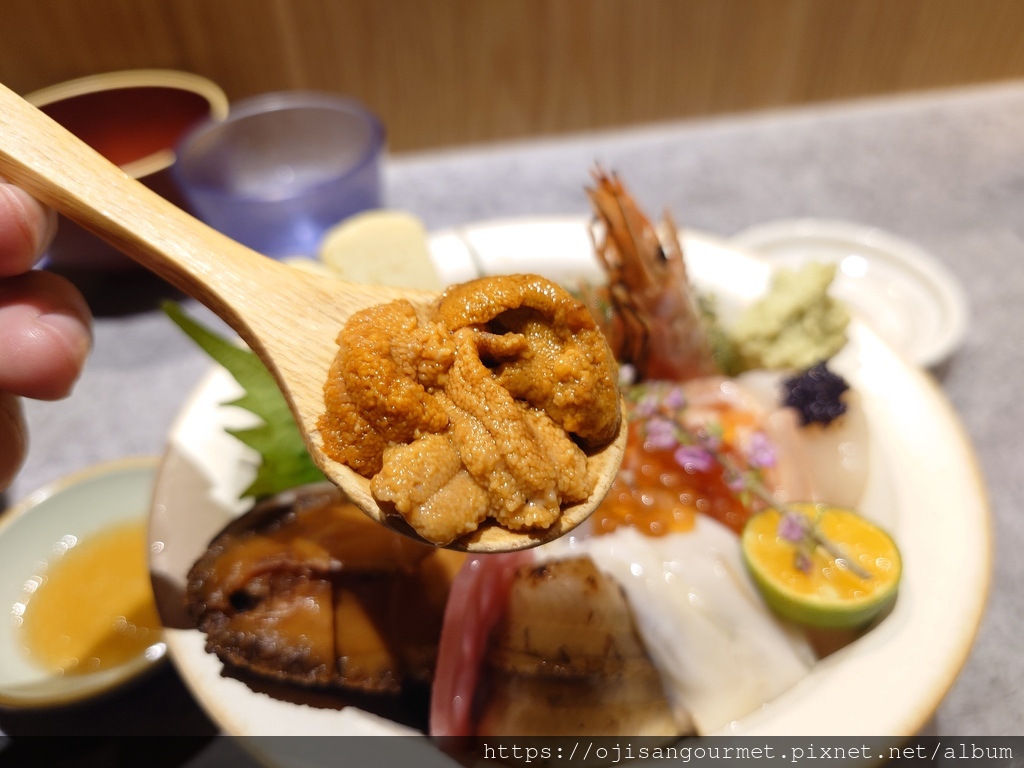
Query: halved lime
[{"x": 810, "y": 585}]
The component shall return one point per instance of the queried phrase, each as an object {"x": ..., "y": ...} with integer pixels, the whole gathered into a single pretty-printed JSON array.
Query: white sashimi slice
[
  {"x": 829, "y": 463},
  {"x": 720, "y": 651},
  {"x": 838, "y": 455}
]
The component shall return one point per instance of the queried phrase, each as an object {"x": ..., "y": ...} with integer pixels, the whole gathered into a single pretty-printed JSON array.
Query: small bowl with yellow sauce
[{"x": 74, "y": 583}]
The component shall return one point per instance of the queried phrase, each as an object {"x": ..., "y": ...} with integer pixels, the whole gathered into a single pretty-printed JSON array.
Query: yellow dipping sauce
[{"x": 93, "y": 607}]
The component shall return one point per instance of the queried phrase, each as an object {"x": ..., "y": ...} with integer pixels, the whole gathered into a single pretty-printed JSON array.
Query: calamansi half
[{"x": 813, "y": 588}]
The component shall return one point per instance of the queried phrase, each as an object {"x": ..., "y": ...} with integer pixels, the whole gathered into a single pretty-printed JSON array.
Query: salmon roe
[{"x": 656, "y": 495}]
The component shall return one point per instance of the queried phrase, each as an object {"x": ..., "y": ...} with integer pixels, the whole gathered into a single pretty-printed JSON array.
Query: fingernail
[
  {"x": 31, "y": 207},
  {"x": 76, "y": 336},
  {"x": 49, "y": 231}
]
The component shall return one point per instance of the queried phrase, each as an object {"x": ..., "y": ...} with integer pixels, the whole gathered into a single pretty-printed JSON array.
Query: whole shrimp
[
  {"x": 653, "y": 321},
  {"x": 655, "y": 324},
  {"x": 650, "y": 313}
]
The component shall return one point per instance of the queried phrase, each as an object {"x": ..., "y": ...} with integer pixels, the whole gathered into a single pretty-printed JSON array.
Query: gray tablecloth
[{"x": 945, "y": 170}]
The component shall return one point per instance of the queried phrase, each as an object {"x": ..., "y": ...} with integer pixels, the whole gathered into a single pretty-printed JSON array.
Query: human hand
[{"x": 44, "y": 323}]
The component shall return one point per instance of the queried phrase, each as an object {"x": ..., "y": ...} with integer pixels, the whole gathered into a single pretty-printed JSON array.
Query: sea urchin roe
[{"x": 480, "y": 406}]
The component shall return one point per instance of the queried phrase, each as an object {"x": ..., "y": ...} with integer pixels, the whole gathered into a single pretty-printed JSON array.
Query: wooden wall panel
[{"x": 444, "y": 72}]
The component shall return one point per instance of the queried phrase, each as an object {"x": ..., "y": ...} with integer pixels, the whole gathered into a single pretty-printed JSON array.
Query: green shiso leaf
[{"x": 284, "y": 461}]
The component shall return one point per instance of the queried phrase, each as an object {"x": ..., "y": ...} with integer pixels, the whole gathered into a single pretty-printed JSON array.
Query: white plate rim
[{"x": 895, "y": 715}]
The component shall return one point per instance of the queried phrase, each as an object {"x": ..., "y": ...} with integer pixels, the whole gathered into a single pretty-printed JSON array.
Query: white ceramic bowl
[
  {"x": 888, "y": 682},
  {"x": 81, "y": 506}
]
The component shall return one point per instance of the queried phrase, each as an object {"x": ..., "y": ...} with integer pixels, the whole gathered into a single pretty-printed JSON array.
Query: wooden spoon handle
[{"x": 65, "y": 173}]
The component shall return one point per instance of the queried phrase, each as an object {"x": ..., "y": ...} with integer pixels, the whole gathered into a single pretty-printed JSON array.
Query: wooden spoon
[{"x": 288, "y": 317}]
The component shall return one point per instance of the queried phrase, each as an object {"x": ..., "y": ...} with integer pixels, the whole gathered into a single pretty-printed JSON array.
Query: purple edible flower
[
  {"x": 693, "y": 457},
  {"x": 647, "y": 405},
  {"x": 661, "y": 434},
  {"x": 791, "y": 528},
  {"x": 674, "y": 398},
  {"x": 760, "y": 451},
  {"x": 735, "y": 482}
]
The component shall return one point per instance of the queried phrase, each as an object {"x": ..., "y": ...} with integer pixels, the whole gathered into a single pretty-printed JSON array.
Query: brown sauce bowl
[{"x": 133, "y": 118}]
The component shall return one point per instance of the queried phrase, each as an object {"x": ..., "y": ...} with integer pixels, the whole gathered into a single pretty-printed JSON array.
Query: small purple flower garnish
[
  {"x": 674, "y": 399},
  {"x": 735, "y": 482},
  {"x": 661, "y": 434},
  {"x": 760, "y": 451},
  {"x": 791, "y": 528},
  {"x": 694, "y": 458},
  {"x": 794, "y": 527},
  {"x": 647, "y": 406}
]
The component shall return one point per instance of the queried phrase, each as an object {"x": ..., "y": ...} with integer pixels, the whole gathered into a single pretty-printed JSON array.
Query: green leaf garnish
[{"x": 284, "y": 461}]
